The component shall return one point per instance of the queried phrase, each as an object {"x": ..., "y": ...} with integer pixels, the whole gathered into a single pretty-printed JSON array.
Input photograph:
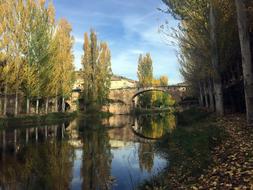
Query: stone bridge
[{"x": 123, "y": 100}]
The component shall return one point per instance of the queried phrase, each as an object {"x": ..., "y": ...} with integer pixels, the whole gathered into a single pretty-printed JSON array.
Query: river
[{"x": 86, "y": 153}]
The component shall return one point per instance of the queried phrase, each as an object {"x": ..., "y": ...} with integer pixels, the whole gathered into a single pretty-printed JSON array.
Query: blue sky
[{"x": 129, "y": 26}]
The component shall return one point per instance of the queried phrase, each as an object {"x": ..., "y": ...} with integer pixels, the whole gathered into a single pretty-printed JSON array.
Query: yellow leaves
[
  {"x": 29, "y": 57},
  {"x": 42, "y": 3},
  {"x": 145, "y": 70},
  {"x": 51, "y": 13},
  {"x": 96, "y": 62}
]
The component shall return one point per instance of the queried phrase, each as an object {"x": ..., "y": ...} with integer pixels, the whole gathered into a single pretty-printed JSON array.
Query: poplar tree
[
  {"x": 246, "y": 51},
  {"x": 206, "y": 48},
  {"x": 145, "y": 71},
  {"x": 145, "y": 76},
  {"x": 33, "y": 50},
  {"x": 96, "y": 71},
  {"x": 63, "y": 68}
]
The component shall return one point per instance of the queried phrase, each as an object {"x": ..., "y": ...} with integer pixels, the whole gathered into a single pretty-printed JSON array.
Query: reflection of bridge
[
  {"x": 127, "y": 135},
  {"x": 136, "y": 130}
]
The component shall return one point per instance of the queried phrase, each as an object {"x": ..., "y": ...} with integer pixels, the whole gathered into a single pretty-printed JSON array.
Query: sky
[{"x": 130, "y": 27}]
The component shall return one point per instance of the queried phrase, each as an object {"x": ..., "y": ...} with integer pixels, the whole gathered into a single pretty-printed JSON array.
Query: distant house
[
  {"x": 117, "y": 82},
  {"x": 122, "y": 82}
]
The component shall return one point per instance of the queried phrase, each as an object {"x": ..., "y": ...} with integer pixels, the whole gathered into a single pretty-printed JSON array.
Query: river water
[{"x": 86, "y": 153}]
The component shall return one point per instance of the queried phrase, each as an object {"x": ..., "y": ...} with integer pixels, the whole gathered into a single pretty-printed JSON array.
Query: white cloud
[
  {"x": 125, "y": 63},
  {"x": 131, "y": 29},
  {"x": 79, "y": 40}
]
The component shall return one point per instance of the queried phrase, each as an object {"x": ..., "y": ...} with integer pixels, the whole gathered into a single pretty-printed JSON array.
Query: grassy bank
[
  {"x": 97, "y": 114},
  {"x": 51, "y": 118},
  {"x": 140, "y": 111},
  {"x": 187, "y": 150}
]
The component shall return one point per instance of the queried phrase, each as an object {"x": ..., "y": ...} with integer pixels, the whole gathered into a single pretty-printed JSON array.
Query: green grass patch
[
  {"x": 141, "y": 111},
  {"x": 27, "y": 120},
  {"x": 187, "y": 149},
  {"x": 97, "y": 114}
]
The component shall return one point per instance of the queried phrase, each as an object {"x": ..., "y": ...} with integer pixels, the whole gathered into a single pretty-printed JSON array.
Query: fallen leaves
[{"x": 232, "y": 166}]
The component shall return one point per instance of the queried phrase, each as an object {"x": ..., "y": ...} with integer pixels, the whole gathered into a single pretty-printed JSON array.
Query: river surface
[{"x": 114, "y": 153}]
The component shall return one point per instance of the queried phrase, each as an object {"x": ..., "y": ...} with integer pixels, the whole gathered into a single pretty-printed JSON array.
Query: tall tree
[
  {"x": 215, "y": 58},
  {"x": 204, "y": 36},
  {"x": 145, "y": 70},
  {"x": 34, "y": 49},
  {"x": 63, "y": 68},
  {"x": 145, "y": 76},
  {"x": 96, "y": 72},
  {"x": 243, "y": 27}
]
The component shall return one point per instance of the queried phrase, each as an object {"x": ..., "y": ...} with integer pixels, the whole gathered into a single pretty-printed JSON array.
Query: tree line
[
  {"x": 36, "y": 59},
  {"x": 215, "y": 39},
  {"x": 146, "y": 79}
]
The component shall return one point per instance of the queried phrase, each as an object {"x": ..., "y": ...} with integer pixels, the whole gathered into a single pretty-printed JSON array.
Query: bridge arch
[
  {"x": 148, "y": 89},
  {"x": 151, "y": 89}
]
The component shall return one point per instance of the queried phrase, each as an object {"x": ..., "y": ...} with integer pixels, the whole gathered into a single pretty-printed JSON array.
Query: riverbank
[
  {"x": 206, "y": 152},
  {"x": 140, "y": 111},
  {"x": 26, "y": 120}
]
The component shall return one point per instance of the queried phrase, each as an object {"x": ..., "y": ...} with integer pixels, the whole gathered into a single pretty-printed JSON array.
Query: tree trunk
[
  {"x": 56, "y": 104},
  {"x": 206, "y": 95},
  {"x": 201, "y": 101},
  {"x": 27, "y": 105},
  {"x": 243, "y": 27},
  {"x": 63, "y": 104},
  {"x": 16, "y": 103},
  {"x": 215, "y": 63},
  {"x": 1, "y": 105},
  {"x": 47, "y": 102},
  {"x": 37, "y": 106},
  {"x": 210, "y": 92},
  {"x": 5, "y": 99}
]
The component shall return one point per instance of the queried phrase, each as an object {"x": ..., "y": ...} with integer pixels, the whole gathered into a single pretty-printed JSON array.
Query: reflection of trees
[
  {"x": 39, "y": 166},
  {"x": 96, "y": 157},
  {"x": 155, "y": 126},
  {"x": 152, "y": 126},
  {"x": 146, "y": 156}
]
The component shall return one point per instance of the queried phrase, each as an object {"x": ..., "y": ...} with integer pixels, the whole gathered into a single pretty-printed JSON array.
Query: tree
[
  {"x": 33, "y": 49},
  {"x": 145, "y": 71},
  {"x": 215, "y": 59},
  {"x": 12, "y": 47},
  {"x": 161, "y": 99},
  {"x": 145, "y": 76},
  {"x": 243, "y": 27},
  {"x": 207, "y": 53},
  {"x": 62, "y": 75},
  {"x": 96, "y": 72}
]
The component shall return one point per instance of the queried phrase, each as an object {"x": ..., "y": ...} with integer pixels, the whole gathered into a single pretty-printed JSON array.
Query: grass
[
  {"x": 187, "y": 149},
  {"x": 49, "y": 119},
  {"x": 97, "y": 114},
  {"x": 140, "y": 111},
  {"x": 26, "y": 120}
]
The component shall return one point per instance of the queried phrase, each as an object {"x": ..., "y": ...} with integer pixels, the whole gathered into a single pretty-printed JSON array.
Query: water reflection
[
  {"x": 97, "y": 157},
  {"x": 154, "y": 126},
  {"x": 84, "y": 154},
  {"x": 36, "y": 165}
]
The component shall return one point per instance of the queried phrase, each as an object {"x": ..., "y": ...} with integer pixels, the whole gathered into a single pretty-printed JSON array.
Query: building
[{"x": 118, "y": 82}]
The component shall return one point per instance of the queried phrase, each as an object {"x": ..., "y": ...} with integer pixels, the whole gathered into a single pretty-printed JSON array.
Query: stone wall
[{"x": 117, "y": 108}]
